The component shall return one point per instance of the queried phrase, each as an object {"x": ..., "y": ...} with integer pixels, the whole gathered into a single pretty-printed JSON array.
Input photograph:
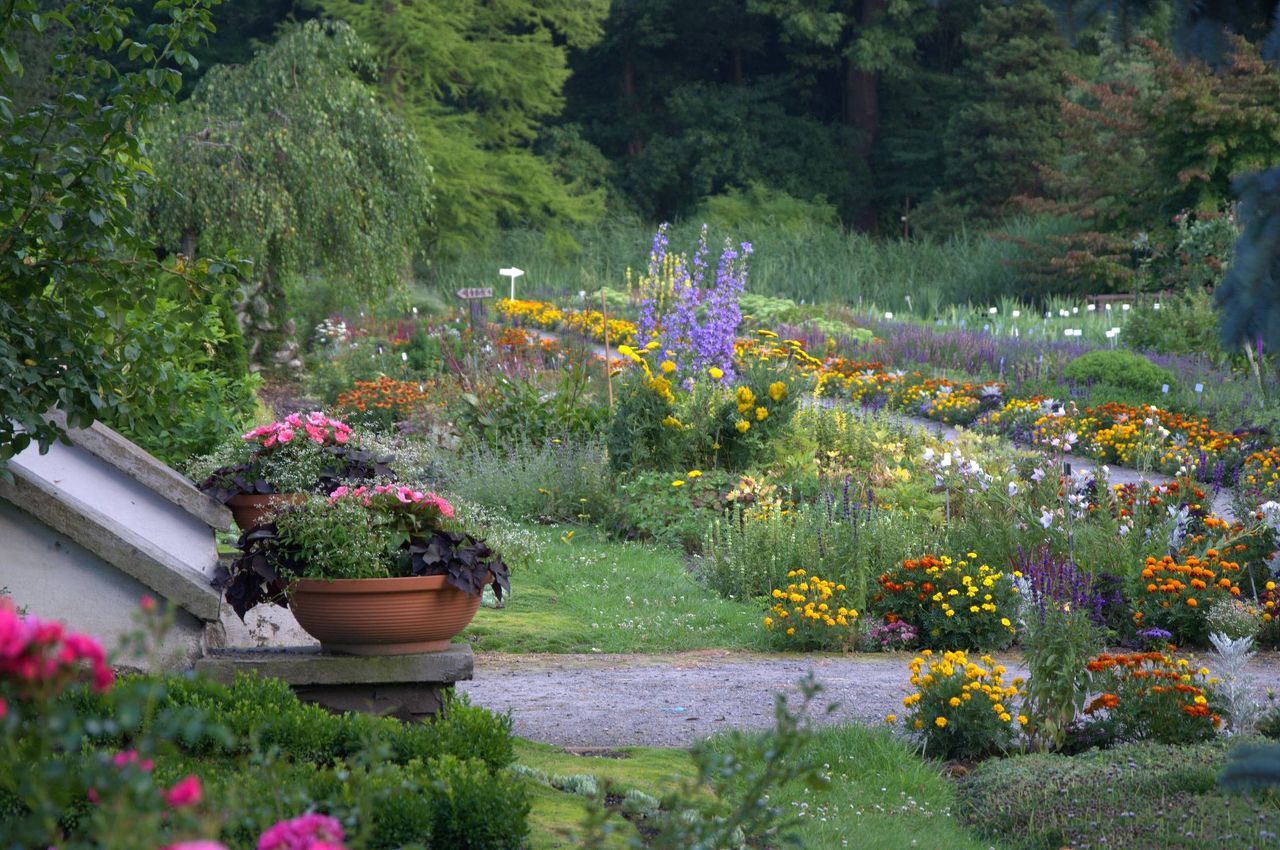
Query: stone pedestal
[{"x": 409, "y": 687}]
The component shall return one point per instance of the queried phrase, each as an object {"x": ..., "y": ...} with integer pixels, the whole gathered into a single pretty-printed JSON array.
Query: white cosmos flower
[{"x": 1046, "y": 518}]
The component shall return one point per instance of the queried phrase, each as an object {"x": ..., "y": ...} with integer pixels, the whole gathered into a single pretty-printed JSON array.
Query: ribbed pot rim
[{"x": 370, "y": 585}]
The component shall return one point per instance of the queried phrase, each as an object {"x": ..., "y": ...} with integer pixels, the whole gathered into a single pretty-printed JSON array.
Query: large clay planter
[
  {"x": 382, "y": 616},
  {"x": 250, "y": 511}
]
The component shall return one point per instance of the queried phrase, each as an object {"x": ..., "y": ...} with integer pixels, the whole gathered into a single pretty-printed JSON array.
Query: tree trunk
[
  {"x": 861, "y": 107},
  {"x": 635, "y": 145}
]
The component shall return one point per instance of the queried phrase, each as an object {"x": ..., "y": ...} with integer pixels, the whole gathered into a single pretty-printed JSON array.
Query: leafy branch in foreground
[{"x": 743, "y": 772}]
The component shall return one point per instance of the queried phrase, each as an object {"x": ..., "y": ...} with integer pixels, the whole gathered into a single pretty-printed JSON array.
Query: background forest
[{"x": 339, "y": 155}]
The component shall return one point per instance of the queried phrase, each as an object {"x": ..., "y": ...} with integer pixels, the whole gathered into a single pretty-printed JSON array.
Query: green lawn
[
  {"x": 881, "y": 795},
  {"x": 588, "y": 593}
]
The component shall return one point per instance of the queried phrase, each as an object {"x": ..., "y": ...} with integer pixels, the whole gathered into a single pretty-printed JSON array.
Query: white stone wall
[{"x": 55, "y": 578}]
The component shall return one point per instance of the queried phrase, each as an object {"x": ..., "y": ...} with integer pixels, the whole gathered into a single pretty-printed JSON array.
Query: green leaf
[{"x": 10, "y": 57}]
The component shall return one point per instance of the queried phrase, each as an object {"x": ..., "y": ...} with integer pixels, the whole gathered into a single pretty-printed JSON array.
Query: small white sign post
[{"x": 512, "y": 273}]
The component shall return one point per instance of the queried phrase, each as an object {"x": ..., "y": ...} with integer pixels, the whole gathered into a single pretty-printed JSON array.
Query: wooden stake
[{"x": 608, "y": 369}]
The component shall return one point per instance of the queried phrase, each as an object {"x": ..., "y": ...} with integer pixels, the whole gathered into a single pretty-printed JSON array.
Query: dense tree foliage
[
  {"x": 477, "y": 82},
  {"x": 292, "y": 160},
  {"x": 90, "y": 323}
]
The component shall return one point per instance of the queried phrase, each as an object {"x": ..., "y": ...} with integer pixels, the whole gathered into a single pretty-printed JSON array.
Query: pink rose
[
  {"x": 186, "y": 793},
  {"x": 306, "y": 832}
]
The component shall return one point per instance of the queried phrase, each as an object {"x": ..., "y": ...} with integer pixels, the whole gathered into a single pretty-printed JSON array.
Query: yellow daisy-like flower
[
  {"x": 653, "y": 344},
  {"x": 715, "y": 372},
  {"x": 677, "y": 483},
  {"x": 891, "y": 718},
  {"x": 743, "y": 426},
  {"x": 767, "y": 334},
  {"x": 940, "y": 722},
  {"x": 694, "y": 473},
  {"x": 672, "y": 422},
  {"x": 791, "y": 631},
  {"x": 777, "y": 391},
  {"x": 768, "y": 622},
  {"x": 954, "y": 702},
  {"x": 1022, "y": 718},
  {"x": 630, "y": 353},
  {"x": 668, "y": 366},
  {"x": 761, "y": 414}
]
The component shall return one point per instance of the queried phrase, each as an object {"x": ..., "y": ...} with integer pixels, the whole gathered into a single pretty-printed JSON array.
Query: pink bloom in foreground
[
  {"x": 147, "y": 604},
  {"x": 306, "y": 832},
  {"x": 186, "y": 793}
]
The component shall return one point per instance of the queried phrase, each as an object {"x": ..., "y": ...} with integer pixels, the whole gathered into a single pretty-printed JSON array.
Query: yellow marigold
[
  {"x": 954, "y": 702},
  {"x": 777, "y": 391},
  {"x": 768, "y": 622},
  {"x": 743, "y": 426},
  {"x": 940, "y": 722},
  {"x": 1022, "y": 718},
  {"x": 761, "y": 414},
  {"x": 694, "y": 473},
  {"x": 891, "y": 718},
  {"x": 716, "y": 373}
]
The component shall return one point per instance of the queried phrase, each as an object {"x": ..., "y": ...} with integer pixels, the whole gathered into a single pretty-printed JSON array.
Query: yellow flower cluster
[
  {"x": 970, "y": 699},
  {"x": 810, "y": 610},
  {"x": 549, "y": 317}
]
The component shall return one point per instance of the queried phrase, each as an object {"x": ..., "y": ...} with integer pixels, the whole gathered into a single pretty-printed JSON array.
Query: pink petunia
[
  {"x": 293, "y": 420},
  {"x": 285, "y": 435}
]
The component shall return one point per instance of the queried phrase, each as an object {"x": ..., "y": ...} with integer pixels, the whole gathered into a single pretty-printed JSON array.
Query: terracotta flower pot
[
  {"x": 382, "y": 616},
  {"x": 250, "y": 511}
]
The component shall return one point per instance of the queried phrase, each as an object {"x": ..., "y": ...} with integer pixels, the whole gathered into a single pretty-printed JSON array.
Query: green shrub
[
  {"x": 1138, "y": 796},
  {"x": 556, "y": 480},
  {"x": 672, "y": 508},
  {"x": 749, "y": 552},
  {"x": 1118, "y": 368},
  {"x": 440, "y": 802},
  {"x": 473, "y": 809},
  {"x": 264, "y": 714},
  {"x": 1184, "y": 324}
]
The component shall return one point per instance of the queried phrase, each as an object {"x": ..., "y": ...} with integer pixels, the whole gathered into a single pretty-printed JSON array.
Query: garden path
[{"x": 606, "y": 701}]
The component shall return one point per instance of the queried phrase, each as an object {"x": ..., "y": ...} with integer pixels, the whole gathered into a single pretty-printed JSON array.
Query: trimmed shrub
[{"x": 1118, "y": 368}]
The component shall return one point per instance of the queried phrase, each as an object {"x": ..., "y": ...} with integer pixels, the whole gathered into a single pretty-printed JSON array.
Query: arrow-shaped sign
[{"x": 512, "y": 273}]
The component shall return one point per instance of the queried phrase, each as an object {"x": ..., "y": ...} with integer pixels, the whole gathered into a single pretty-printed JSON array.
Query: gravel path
[{"x": 589, "y": 701}]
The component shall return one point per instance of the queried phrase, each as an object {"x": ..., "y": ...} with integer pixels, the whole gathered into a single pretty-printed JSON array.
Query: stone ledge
[{"x": 308, "y": 666}]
